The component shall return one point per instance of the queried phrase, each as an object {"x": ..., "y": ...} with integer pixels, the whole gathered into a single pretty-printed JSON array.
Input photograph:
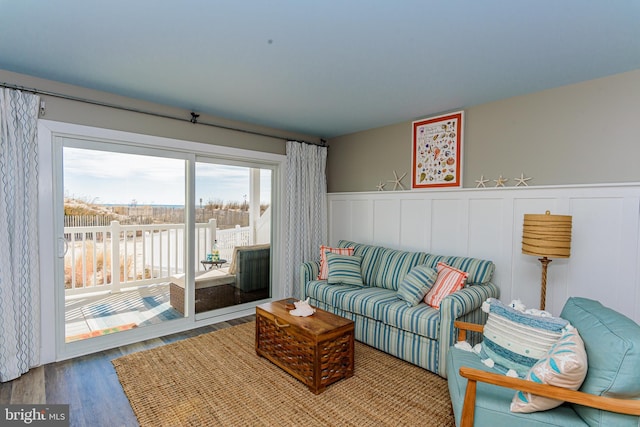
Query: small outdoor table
[{"x": 208, "y": 265}]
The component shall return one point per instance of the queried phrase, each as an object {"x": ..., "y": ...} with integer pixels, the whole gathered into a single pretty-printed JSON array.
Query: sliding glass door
[
  {"x": 124, "y": 234},
  {"x": 233, "y": 262},
  {"x": 154, "y": 237}
]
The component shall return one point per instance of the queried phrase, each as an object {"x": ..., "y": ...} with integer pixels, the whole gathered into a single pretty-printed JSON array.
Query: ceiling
[{"x": 322, "y": 68}]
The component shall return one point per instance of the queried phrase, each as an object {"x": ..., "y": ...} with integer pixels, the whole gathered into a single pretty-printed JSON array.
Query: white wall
[{"x": 487, "y": 223}]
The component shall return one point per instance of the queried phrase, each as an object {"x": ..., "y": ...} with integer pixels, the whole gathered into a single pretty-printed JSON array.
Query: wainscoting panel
[
  {"x": 449, "y": 230},
  {"x": 605, "y": 223},
  {"x": 341, "y": 209},
  {"x": 415, "y": 220},
  {"x": 487, "y": 223},
  {"x": 386, "y": 222},
  {"x": 362, "y": 221},
  {"x": 488, "y": 219}
]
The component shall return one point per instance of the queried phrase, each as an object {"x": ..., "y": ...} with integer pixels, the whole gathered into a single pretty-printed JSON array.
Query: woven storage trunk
[{"x": 317, "y": 350}]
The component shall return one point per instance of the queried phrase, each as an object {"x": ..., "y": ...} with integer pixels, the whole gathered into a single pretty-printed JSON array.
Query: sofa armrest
[
  {"x": 454, "y": 306},
  {"x": 622, "y": 406},
  {"x": 468, "y": 299},
  {"x": 308, "y": 271}
]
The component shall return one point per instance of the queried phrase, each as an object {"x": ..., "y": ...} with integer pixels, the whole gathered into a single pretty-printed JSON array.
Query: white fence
[
  {"x": 101, "y": 258},
  {"x": 86, "y": 220}
]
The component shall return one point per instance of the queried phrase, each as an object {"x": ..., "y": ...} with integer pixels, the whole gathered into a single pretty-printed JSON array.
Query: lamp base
[{"x": 543, "y": 290}]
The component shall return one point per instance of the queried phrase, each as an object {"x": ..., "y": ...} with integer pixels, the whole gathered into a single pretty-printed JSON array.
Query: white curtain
[
  {"x": 306, "y": 212},
  {"x": 19, "y": 266}
]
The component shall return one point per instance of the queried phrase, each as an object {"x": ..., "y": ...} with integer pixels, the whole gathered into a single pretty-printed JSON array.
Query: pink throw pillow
[
  {"x": 324, "y": 267},
  {"x": 449, "y": 280}
]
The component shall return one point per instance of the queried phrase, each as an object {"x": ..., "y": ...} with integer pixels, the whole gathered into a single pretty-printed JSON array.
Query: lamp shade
[{"x": 547, "y": 235}]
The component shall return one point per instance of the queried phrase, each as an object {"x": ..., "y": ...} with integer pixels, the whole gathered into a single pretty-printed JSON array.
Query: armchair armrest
[
  {"x": 308, "y": 271},
  {"x": 458, "y": 304},
  {"x": 623, "y": 406},
  {"x": 463, "y": 327}
]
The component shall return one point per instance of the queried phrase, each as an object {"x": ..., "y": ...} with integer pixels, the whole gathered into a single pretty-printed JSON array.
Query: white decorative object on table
[
  {"x": 303, "y": 309},
  {"x": 380, "y": 186},
  {"x": 481, "y": 182},
  {"x": 522, "y": 180}
]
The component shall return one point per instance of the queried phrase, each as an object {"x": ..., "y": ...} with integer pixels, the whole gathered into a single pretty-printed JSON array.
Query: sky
[{"x": 117, "y": 178}]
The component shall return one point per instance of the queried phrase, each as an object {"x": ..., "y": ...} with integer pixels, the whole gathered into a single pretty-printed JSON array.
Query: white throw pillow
[{"x": 565, "y": 365}]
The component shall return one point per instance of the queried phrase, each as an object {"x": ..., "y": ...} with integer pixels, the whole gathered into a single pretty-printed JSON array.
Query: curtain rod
[{"x": 193, "y": 119}]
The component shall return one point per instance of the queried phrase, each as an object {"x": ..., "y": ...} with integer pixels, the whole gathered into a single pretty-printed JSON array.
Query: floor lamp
[{"x": 546, "y": 236}]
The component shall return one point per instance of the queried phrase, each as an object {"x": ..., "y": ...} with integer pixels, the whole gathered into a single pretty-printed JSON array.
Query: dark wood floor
[{"x": 89, "y": 384}]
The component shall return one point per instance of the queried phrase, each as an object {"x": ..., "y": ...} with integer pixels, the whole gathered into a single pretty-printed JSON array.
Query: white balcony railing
[{"x": 109, "y": 258}]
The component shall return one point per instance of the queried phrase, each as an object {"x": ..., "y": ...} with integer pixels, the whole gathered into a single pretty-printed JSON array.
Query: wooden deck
[
  {"x": 104, "y": 313},
  {"x": 98, "y": 314}
]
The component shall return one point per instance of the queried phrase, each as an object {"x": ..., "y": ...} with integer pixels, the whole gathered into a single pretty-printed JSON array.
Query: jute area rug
[{"x": 216, "y": 379}]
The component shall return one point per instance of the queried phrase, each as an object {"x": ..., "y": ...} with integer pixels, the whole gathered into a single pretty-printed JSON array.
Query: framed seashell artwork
[{"x": 437, "y": 151}]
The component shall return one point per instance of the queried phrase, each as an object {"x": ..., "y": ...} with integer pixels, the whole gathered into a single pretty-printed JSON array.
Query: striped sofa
[{"x": 420, "y": 335}]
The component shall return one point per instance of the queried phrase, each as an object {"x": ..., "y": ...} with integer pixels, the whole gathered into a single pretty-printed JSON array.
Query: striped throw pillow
[
  {"x": 324, "y": 271},
  {"x": 416, "y": 284},
  {"x": 344, "y": 269},
  {"x": 449, "y": 280},
  {"x": 515, "y": 340}
]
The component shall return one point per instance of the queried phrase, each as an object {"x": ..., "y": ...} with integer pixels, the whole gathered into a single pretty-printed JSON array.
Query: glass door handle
[{"x": 63, "y": 247}]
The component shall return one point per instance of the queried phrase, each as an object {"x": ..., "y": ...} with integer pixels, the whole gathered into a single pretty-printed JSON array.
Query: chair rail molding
[{"x": 487, "y": 223}]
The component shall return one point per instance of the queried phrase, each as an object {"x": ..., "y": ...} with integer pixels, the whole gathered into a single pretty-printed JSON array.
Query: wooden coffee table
[{"x": 317, "y": 350}]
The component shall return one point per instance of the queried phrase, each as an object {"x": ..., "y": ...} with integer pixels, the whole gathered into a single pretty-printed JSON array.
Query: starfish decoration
[
  {"x": 398, "y": 181},
  {"x": 500, "y": 181},
  {"x": 481, "y": 182},
  {"x": 381, "y": 186},
  {"x": 522, "y": 180}
]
